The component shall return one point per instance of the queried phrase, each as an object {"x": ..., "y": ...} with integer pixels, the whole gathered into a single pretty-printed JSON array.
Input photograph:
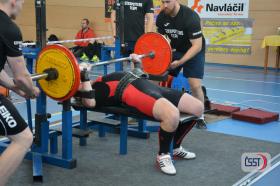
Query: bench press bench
[{"x": 123, "y": 112}]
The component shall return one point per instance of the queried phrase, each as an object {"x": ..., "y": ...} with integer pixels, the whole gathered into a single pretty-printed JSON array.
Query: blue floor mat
[{"x": 267, "y": 132}]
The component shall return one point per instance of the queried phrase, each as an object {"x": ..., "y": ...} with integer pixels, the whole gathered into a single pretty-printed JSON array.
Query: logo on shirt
[
  {"x": 166, "y": 24},
  {"x": 133, "y": 5},
  {"x": 6, "y": 115},
  {"x": 174, "y": 33},
  {"x": 19, "y": 44},
  {"x": 196, "y": 6}
]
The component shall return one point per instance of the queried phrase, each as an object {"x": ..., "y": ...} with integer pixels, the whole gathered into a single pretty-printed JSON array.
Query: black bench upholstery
[{"x": 128, "y": 111}]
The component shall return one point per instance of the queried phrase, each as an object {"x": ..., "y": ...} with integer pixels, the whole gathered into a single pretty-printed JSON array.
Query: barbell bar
[
  {"x": 51, "y": 75},
  {"x": 58, "y": 72},
  {"x": 150, "y": 55},
  {"x": 70, "y": 41}
]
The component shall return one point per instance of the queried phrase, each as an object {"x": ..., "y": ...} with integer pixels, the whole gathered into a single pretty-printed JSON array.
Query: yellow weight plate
[{"x": 60, "y": 58}]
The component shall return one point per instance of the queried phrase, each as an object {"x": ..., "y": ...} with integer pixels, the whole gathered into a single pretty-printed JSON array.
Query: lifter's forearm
[
  {"x": 6, "y": 81},
  {"x": 86, "y": 86}
]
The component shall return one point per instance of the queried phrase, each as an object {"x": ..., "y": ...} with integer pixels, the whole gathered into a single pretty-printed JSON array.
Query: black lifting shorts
[{"x": 11, "y": 122}]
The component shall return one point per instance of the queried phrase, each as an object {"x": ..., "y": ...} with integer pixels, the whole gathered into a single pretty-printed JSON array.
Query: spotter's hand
[{"x": 175, "y": 64}]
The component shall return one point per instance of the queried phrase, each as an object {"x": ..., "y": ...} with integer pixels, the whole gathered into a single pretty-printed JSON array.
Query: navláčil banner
[{"x": 220, "y": 8}]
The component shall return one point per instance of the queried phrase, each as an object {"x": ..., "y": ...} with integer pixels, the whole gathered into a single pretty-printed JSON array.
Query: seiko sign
[{"x": 220, "y": 8}]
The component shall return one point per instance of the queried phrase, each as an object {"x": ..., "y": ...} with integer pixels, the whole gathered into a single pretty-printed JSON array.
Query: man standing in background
[
  {"x": 182, "y": 26},
  {"x": 135, "y": 12}
]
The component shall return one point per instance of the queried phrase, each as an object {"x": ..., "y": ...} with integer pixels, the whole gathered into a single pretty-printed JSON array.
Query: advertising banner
[
  {"x": 220, "y": 8},
  {"x": 229, "y": 36}
]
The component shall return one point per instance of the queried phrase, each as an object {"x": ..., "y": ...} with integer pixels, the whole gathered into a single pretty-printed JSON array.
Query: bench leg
[
  {"x": 101, "y": 131},
  {"x": 83, "y": 125},
  {"x": 123, "y": 135},
  {"x": 53, "y": 143}
]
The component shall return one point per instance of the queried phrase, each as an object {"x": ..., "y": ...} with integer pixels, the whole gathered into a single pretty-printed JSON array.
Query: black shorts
[
  {"x": 194, "y": 68},
  {"x": 11, "y": 122},
  {"x": 142, "y": 95}
]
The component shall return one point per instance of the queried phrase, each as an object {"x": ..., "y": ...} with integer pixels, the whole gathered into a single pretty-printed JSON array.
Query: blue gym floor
[
  {"x": 244, "y": 87},
  {"x": 226, "y": 84}
]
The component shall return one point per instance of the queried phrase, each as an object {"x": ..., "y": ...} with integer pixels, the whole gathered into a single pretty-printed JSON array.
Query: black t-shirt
[
  {"x": 134, "y": 18},
  {"x": 10, "y": 39},
  {"x": 181, "y": 28}
]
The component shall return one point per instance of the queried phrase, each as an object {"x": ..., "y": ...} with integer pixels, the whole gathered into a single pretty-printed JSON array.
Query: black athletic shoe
[{"x": 201, "y": 124}]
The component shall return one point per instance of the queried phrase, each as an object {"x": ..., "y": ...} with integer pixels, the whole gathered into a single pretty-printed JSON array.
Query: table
[{"x": 271, "y": 40}]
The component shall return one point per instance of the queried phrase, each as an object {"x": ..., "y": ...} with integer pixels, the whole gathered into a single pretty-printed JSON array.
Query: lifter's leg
[
  {"x": 191, "y": 105},
  {"x": 168, "y": 114},
  {"x": 13, "y": 155},
  {"x": 197, "y": 92}
]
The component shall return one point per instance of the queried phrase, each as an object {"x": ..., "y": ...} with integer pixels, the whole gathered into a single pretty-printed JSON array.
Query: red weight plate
[
  {"x": 76, "y": 71},
  {"x": 154, "y": 42}
]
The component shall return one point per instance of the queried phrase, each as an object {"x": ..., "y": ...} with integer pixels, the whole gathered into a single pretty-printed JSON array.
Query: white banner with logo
[{"x": 220, "y": 8}]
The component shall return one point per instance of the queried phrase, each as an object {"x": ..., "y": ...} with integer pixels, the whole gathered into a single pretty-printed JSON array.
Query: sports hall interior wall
[{"x": 64, "y": 16}]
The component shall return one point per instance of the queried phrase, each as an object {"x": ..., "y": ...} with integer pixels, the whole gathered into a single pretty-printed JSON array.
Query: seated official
[
  {"x": 164, "y": 104},
  {"x": 81, "y": 47}
]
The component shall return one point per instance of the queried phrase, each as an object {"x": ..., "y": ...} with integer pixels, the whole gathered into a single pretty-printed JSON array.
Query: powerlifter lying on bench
[{"x": 134, "y": 90}]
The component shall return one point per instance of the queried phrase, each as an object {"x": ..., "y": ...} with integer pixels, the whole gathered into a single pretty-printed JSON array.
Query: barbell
[
  {"x": 70, "y": 41},
  {"x": 58, "y": 72}
]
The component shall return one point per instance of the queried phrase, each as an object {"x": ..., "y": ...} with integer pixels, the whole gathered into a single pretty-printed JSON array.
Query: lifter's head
[
  {"x": 11, "y": 7},
  {"x": 170, "y": 7}
]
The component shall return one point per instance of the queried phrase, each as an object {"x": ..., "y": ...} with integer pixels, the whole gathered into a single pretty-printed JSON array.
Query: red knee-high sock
[
  {"x": 165, "y": 139},
  {"x": 181, "y": 132}
]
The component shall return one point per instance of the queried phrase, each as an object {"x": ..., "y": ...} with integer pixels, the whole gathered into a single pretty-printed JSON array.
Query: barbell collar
[
  {"x": 36, "y": 77},
  {"x": 49, "y": 74},
  {"x": 150, "y": 55},
  {"x": 52, "y": 74}
]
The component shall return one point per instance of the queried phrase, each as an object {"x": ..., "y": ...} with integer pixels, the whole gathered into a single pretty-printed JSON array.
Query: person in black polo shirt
[
  {"x": 135, "y": 12},
  {"x": 182, "y": 26},
  {"x": 12, "y": 124}
]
